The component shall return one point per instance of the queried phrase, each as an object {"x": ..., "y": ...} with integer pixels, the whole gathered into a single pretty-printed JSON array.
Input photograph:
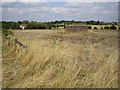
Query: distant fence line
[{"x": 15, "y": 42}]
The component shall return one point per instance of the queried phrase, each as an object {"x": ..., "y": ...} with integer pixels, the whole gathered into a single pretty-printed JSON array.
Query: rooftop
[{"x": 23, "y": 24}]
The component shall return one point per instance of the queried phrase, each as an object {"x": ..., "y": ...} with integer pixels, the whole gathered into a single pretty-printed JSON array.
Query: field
[
  {"x": 0, "y": 59},
  {"x": 56, "y": 59}
]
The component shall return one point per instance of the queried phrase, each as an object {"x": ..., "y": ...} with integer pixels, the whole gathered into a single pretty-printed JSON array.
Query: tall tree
[
  {"x": 19, "y": 22},
  {"x": 25, "y": 21}
]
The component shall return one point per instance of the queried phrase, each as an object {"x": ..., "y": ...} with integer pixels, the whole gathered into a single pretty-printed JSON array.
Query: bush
[
  {"x": 106, "y": 27},
  {"x": 6, "y": 32},
  {"x": 95, "y": 28},
  {"x": 113, "y": 27},
  {"x": 101, "y": 27},
  {"x": 89, "y": 27},
  {"x": 118, "y": 28}
]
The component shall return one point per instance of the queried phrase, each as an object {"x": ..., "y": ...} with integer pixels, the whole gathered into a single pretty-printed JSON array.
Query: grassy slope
[{"x": 53, "y": 61}]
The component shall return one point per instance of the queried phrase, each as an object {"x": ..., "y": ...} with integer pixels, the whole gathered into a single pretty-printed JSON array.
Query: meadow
[{"x": 56, "y": 59}]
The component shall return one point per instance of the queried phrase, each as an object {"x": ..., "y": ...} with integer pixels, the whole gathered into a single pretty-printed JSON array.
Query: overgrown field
[
  {"x": 0, "y": 58},
  {"x": 55, "y": 59}
]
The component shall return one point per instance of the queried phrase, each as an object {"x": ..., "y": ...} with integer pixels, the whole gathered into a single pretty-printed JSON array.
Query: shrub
[
  {"x": 106, "y": 27},
  {"x": 89, "y": 27},
  {"x": 118, "y": 28},
  {"x": 95, "y": 28},
  {"x": 113, "y": 27},
  {"x": 6, "y": 32}
]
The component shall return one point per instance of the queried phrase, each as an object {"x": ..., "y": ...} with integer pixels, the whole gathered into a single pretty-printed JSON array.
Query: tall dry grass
[
  {"x": 0, "y": 58},
  {"x": 55, "y": 64}
]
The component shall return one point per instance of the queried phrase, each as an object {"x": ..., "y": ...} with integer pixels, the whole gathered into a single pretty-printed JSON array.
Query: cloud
[
  {"x": 24, "y": 0},
  {"x": 45, "y": 8},
  {"x": 9, "y": 0},
  {"x": 56, "y": 11},
  {"x": 60, "y": 0},
  {"x": 33, "y": 0},
  {"x": 83, "y": 0},
  {"x": 38, "y": 9}
]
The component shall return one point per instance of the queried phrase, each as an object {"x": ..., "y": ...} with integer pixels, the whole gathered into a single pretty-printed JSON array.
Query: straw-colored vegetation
[
  {"x": 0, "y": 58},
  {"x": 61, "y": 60}
]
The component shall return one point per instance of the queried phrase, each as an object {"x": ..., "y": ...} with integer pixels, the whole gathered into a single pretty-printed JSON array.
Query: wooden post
[{"x": 9, "y": 41}]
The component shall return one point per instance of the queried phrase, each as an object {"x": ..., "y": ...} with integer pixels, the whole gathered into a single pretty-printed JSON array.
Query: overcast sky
[{"x": 50, "y": 11}]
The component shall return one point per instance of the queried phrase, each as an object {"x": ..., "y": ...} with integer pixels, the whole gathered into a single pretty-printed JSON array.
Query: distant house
[
  {"x": 23, "y": 26},
  {"x": 76, "y": 28}
]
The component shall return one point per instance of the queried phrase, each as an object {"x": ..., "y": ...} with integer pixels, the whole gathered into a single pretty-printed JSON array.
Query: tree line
[
  {"x": 113, "y": 27},
  {"x": 49, "y": 25},
  {"x": 30, "y": 25}
]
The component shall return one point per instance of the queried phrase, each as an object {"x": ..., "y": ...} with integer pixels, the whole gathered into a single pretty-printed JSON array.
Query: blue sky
[
  {"x": 59, "y": 0},
  {"x": 50, "y": 11}
]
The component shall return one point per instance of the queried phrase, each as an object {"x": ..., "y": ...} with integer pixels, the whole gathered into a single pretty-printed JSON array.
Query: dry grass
[
  {"x": 0, "y": 58},
  {"x": 53, "y": 61}
]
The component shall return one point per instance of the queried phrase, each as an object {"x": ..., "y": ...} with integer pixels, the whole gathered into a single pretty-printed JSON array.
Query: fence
[{"x": 17, "y": 44}]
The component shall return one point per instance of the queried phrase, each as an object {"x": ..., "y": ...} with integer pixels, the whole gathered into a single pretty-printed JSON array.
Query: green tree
[
  {"x": 14, "y": 25},
  {"x": 31, "y": 25},
  {"x": 35, "y": 25},
  {"x": 113, "y": 27},
  {"x": 98, "y": 22},
  {"x": 118, "y": 28},
  {"x": 95, "y": 28},
  {"x": 50, "y": 25},
  {"x": 89, "y": 27},
  {"x": 88, "y": 23},
  {"x": 101, "y": 27},
  {"x": 19, "y": 22},
  {"x": 64, "y": 26},
  {"x": 57, "y": 25},
  {"x": 106, "y": 27},
  {"x": 6, "y": 32},
  {"x": 25, "y": 21}
]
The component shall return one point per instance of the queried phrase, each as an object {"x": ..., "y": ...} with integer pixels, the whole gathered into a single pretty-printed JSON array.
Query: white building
[{"x": 23, "y": 26}]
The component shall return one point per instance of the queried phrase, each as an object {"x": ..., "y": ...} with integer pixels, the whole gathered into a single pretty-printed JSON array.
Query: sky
[
  {"x": 59, "y": 0},
  {"x": 51, "y": 11}
]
